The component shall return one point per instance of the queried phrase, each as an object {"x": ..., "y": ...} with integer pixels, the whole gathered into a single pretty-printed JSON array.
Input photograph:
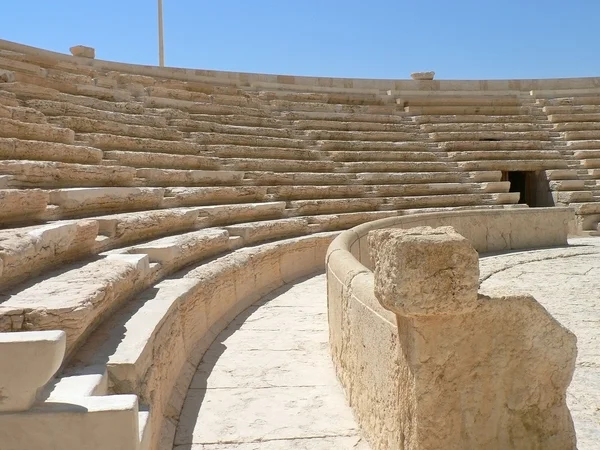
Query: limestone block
[
  {"x": 59, "y": 174},
  {"x": 36, "y": 131},
  {"x": 21, "y": 205},
  {"x": 173, "y": 252},
  {"x": 83, "y": 51},
  {"x": 74, "y": 298},
  {"x": 99, "y": 423},
  {"x": 245, "y": 212},
  {"x": 477, "y": 365},
  {"x": 196, "y": 196},
  {"x": 170, "y": 177},
  {"x": 422, "y": 75},
  {"x": 6, "y": 76},
  {"x": 105, "y": 199},
  {"x": 27, "y": 252},
  {"x": 424, "y": 271},
  {"x": 12, "y": 148},
  {"x": 29, "y": 360}
]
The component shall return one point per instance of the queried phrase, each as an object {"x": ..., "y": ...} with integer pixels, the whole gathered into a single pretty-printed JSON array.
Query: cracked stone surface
[
  {"x": 566, "y": 281},
  {"x": 267, "y": 382}
]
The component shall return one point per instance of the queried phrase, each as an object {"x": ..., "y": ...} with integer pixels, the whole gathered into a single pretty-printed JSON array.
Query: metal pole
[{"x": 161, "y": 44}]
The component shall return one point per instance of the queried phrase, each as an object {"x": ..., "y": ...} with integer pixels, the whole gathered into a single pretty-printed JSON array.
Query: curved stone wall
[
  {"x": 425, "y": 373},
  {"x": 264, "y": 80}
]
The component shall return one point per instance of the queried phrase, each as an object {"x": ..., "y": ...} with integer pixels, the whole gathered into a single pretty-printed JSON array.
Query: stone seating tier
[{"x": 132, "y": 173}]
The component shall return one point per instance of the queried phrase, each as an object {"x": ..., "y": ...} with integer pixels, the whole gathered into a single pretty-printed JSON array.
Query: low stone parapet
[{"x": 427, "y": 362}]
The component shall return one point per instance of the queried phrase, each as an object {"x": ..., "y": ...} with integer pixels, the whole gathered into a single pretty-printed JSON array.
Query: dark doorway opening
[{"x": 532, "y": 186}]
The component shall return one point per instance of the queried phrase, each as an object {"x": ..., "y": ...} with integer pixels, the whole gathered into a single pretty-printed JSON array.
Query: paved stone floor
[
  {"x": 267, "y": 382},
  {"x": 567, "y": 283}
]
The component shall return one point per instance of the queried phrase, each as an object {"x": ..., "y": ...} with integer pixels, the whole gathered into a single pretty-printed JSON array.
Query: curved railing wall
[
  {"x": 249, "y": 79},
  {"x": 425, "y": 361}
]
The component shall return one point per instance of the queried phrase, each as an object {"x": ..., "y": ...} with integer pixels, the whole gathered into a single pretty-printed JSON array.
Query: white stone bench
[
  {"x": 51, "y": 174},
  {"x": 13, "y": 148}
]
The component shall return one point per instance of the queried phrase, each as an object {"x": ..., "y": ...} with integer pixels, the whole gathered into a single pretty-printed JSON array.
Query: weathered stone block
[
  {"x": 422, "y": 75},
  {"x": 424, "y": 271},
  {"x": 83, "y": 51}
]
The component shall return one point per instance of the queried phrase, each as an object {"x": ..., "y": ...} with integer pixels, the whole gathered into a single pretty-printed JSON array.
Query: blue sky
[{"x": 461, "y": 39}]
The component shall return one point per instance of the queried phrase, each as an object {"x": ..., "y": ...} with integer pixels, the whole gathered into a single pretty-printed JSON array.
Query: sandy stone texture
[
  {"x": 267, "y": 382},
  {"x": 566, "y": 281}
]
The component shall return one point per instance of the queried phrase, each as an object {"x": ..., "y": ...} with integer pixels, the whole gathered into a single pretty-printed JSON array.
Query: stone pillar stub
[{"x": 424, "y": 271}]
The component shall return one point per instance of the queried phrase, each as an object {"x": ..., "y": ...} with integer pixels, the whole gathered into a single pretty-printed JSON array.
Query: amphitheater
[{"x": 193, "y": 259}]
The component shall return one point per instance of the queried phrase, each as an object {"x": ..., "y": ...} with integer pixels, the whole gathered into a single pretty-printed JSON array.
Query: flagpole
[{"x": 161, "y": 46}]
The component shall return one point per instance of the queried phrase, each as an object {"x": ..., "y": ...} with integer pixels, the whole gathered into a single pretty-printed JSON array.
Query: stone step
[
  {"x": 576, "y": 126},
  {"x": 202, "y": 108},
  {"x": 569, "y": 101},
  {"x": 245, "y": 140},
  {"x": 22, "y": 114},
  {"x": 387, "y": 118},
  {"x": 561, "y": 174},
  {"x": 307, "y": 178},
  {"x": 200, "y": 196},
  {"x": 151, "y": 346},
  {"x": 591, "y": 163},
  {"x": 35, "y": 131},
  {"x": 479, "y": 127},
  {"x": 487, "y": 135},
  {"x": 19, "y": 206},
  {"x": 74, "y": 298},
  {"x": 218, "y": 215},
  {"x": 284, "y": 105},
  {"x": 256, "y": 232},
  {"x": 484, "y": 176},
  {"x": 237, "y": 99},
  {"x": 344, "y": 221},
  {"x": 493, "y": 145},
  {"x": 366, "y": 136},
  {"x": 177, "y": 251},
  {"x": 127, "y": 228},
  {"x": 196, "y": 126},
  {"x": 581, "y": 135},
  {"x": 239, "y": 120},
  {"x": 498, "y": 155},
  {"x": 81, "y": 202},
  {"x": 514, "y": 165},
  {"x": 567, "y": 197},
  {"x": 330, "y": 206},
  {"x": 62, "y": 108},
  {"x": 44, "y": 174},
  {"x": 554, "y": 93},
  {"x": 279, "y": 165},
  {"x": 393, "y": 190},
  {"x": 443, "y": 119},
  {"x": 162, "y": 160},
  {"x": 87, "y": 125},
  {"x": 336, "y": 98},
  {"x": 13, "y": 148},
  {"x": 25, "y": 91},
  {"x": 585, "y": 144},
  {"x": 115, "y": 142},
  {"x": 239, "y": 151},
  {"x": 458, "y": 100},
  {"x": 358, "y": 156},
  {"x": 468, "y": 110},
  {"x": 592, "y": 207},
  {"x": 335, "y": 125},
  {"x": 174, "y": 177},
  {"x": 8, "y": 99},
  {"x": 567, "y": 185},
  {"x": 571, "y": 109},
  {"x": 397, "y": 166},
  {"x": 417, "y": 145},
  {"x": 561, "y": 118},
  {"x": 27, "y": 252}
]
